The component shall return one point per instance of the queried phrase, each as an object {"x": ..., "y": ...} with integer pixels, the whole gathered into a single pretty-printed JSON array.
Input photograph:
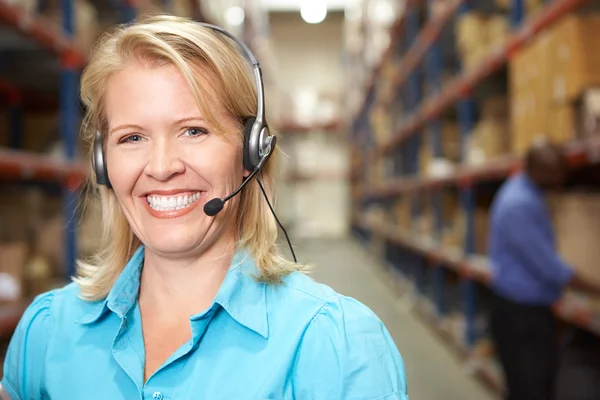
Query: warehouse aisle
[{"x": 433, "y": 372}]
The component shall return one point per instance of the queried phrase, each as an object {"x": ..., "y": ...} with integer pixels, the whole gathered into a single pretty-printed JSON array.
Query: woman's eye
[
  {"x": 131, "y": 139},
  {"x": 195, "y": 132}
]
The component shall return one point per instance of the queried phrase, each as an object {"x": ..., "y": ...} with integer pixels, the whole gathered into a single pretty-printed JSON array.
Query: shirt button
[{"x": 157, "y": 396}]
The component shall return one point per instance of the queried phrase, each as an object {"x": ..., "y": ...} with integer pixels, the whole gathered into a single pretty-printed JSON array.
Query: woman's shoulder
[
  {"x": 56, "y": 305},
  {"x": 325, "y": 312},
  {"x": 346, "y": 336}
]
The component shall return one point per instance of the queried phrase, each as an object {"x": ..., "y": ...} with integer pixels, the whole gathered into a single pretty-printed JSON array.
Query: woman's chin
[{"x": 175, "y": 243}]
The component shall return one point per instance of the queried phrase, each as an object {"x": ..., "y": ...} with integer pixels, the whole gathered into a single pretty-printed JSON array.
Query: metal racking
[{"x": 403, "y": 146}]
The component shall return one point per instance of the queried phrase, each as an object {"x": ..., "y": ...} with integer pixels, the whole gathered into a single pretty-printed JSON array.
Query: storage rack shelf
[
  {"x": 24, "y": 165},
  {"x": 40, "y": 31},
  {"x": 578, "y": 153},
  {"x": 400, "y": 151},
  {"x": 571, "y": 308}
]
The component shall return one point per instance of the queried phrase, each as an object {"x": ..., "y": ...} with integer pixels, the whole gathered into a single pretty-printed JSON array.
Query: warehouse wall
[
  {"x": 309, "y": 56},
  {"x": 310, "y": 71}
]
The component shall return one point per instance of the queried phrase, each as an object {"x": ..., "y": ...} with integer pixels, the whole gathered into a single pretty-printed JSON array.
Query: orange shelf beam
[
  {"x": 41, "y": 32},
  {"x": 20, "y": 165}
]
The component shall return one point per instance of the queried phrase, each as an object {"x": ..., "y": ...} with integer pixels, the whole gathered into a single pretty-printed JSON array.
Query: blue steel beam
[
  {"x": 467, "y": 119},
  {"x": 412, "y": 146},
  {"x": 69, "y": 120},
  {"x": 434, "y": 79},
  {"x": 517, "y": 13}
]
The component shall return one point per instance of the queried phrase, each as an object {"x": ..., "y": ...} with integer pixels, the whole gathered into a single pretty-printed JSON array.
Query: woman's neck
[{"x": 184, "y": 286}]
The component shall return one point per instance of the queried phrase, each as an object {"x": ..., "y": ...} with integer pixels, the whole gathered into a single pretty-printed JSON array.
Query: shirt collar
[{"x": 241, "y": 295}]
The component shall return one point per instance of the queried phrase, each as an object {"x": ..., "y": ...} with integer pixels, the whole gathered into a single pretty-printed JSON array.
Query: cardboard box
[
  {"x": 87, "y": 27},
  {"x": 451, "y": 141},
  {"x": 529, "y": 78},
  {"x": 562, "y": 124},
  {"x": 13, "y": 256},
  {"x": 574, "y": 57},
  {"x": 402, "y": 213},
  {"x": 497, "y": 31},
  {"x": 577, "y": 227},
  {"x": 577, "y": 120}
]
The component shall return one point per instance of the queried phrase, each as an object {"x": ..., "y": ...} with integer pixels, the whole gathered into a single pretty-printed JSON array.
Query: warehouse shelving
[
  {"x": 40, "y": 31},
  {"x": 461, "y": 85},
  {"x": 400, "y": 151},
  {"x": 572, "y": 308},
  {"x": 24, "y": 165}
]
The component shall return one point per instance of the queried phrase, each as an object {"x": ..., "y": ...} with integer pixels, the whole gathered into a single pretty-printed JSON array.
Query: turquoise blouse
[{"x": 298, "y": 340}]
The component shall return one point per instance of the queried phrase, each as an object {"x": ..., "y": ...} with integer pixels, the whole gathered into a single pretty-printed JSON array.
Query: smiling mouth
[{"x": 172, "y": 203}]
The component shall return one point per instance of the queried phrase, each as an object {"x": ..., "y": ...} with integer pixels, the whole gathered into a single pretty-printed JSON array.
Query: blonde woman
[{"x": 184, "y": 301}]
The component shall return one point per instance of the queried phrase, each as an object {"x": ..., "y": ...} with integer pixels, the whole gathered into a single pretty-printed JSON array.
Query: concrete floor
[{"x": 433, "y": 371}]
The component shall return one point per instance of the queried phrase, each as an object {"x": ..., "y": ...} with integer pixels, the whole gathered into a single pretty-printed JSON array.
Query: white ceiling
[{"x": 294, "y": 5}]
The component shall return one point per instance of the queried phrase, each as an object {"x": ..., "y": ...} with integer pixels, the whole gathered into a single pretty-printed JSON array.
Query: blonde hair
[{"x": 168, "y": 40}]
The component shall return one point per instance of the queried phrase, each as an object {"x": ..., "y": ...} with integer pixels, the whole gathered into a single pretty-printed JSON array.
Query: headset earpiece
[
  {"x": 248, "y": 125},
  {"x": 99, "y": 162}
]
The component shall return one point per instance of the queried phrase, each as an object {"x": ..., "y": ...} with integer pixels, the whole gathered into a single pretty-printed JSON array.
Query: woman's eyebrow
[
  {"x": 184, "y": 120},
  {"x": 124, "y": 126}
]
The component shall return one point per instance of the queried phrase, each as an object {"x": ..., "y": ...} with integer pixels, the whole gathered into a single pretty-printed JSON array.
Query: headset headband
[{"x": 260, "y": 97}]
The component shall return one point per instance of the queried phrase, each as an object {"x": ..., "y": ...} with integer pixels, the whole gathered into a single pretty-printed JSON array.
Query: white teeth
[{"x": 171, "y": 203}]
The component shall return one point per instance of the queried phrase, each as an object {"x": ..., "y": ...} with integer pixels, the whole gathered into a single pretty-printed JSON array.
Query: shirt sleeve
[
  {"x": 347, "y": 353},
  {"x": 526, "y": 236},
  {"x": 23, "y": 364}
]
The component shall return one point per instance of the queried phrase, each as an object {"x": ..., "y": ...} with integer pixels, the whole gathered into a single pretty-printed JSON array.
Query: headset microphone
[{"x": 214, "y": 206}]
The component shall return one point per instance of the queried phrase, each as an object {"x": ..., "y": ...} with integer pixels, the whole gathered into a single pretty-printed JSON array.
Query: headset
[{"x": 258, "y": 142}]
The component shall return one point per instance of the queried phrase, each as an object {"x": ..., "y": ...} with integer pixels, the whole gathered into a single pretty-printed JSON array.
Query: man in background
[{"x": 528, "y": 275}]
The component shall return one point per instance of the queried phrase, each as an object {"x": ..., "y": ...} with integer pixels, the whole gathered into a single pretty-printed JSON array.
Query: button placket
[{"x": 157, "y": 396}]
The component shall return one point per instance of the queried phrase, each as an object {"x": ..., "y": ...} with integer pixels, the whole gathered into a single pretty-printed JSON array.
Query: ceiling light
[
  {"x": 235, "y": 16},
  {"x": 382, "y": 11},
  {"x": 313, "y": 11}
]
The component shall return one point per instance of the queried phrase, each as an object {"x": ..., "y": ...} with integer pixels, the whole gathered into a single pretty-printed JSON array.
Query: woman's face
[{"x": 165, "y": 162}]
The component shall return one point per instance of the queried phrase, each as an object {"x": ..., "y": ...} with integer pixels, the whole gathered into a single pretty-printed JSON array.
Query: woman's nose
[{"x": 164, "y": 161}]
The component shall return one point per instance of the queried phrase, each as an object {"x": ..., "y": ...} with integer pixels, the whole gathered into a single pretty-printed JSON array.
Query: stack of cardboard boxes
[
  {"x": 478, "y": 35},
  {"x": 451, "y": 150},
  {"x": 490, "y": 138},
  {"x": 552, "y": 84},
  {"x": 577, "y": 225},
  {"x": 32, "y": 244}
]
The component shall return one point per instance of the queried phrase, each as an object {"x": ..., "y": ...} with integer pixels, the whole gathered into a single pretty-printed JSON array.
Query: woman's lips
[{"x": 167, "y": 214}]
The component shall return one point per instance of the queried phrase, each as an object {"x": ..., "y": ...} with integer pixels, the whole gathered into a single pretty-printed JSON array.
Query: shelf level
[
  {"x": 291, "y": 128},
  {"x": 581, "y": 152},
  {"x": 466, "y": 81},
  {"x": 20, "y": 165},
  {"x": 568, "y": 309},
  {"x": 42, "y": 32}
]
